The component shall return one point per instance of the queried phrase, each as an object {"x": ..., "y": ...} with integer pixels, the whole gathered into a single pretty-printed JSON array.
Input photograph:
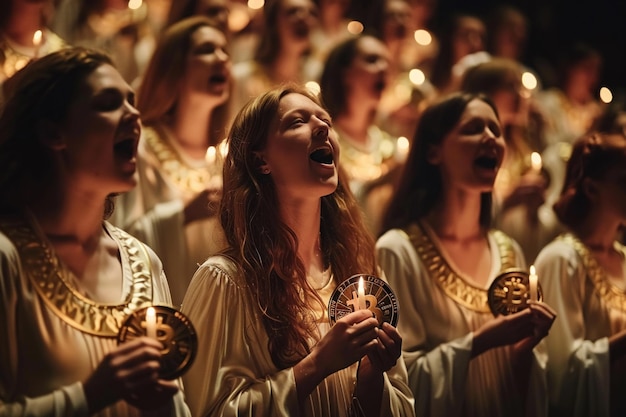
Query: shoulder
[
  {"x": 508, "y": 247},
  {"x": 560, "y": 249},
  {"x": 393, "y": 239},
  {"x": 8, "y": 251},
  {"x": 221, "y": 267},
  {"x": 134, "y": 246},
  {"x": 395, "y": 247}
]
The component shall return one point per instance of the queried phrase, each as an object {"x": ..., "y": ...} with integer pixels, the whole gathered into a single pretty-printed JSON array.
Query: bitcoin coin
[
  {"x": 510, "y": 291},
  {"x": 377, "y": 297},
  {"x": 173, "y": 329}
]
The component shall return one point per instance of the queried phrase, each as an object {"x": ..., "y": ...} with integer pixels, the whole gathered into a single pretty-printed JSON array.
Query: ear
[
  {"x": 590, "y": 188},
  {"x": 261, "y": 165},
  {"x": 434, "y": 155},
  {"x": 50, "y": 135}
]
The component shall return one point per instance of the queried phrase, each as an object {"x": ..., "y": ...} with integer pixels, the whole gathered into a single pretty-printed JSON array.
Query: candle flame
[
  {"x": 151, "y": 322},
  {"x": 535, "y": 161},
  {"x": 37, "y": 36},
  {"x": 211, "y": 154},
  {"x": 532, "y": 270}
]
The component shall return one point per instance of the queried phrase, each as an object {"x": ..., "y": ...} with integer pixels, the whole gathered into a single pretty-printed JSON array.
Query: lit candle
[
  {"x": 151, "y": 323},
  {"x": 532, "y": 279},
  {"x": 361, "y": 295},
  {"x": 211, "y": 155},
  {"x": 535, "y": 162},
  {"x": 37, "y": 37},
  {"x": 402, "y": 149}
]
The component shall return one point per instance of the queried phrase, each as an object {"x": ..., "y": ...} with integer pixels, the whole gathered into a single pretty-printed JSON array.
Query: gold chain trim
[
  {"x": 614, "y": 297},
  {"x": 45, "y": 272},
  {"x": 449, "y": 281},
  {"x": 183, "y": 176}
]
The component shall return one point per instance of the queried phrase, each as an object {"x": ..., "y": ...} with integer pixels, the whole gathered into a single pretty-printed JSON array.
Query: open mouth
[
  {"x": 126, "y": 148},
  {"x": 322, "y": 156},
  {"x": 486, "y": 162},
  {"x": 218, "y": 79}
]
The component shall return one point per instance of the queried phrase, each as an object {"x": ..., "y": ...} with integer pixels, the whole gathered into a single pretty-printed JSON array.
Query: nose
[
  {"x": 320, "y": 131},
  {"x": 221, "y": 55}
]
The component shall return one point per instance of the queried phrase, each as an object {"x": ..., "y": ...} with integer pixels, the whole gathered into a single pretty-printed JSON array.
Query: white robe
[
  {"x": 588, "y": 312},
  {"x": 234, "y": 375},
  {"x": 437, "y": 339},
  {"x": 44, "y": 358}
]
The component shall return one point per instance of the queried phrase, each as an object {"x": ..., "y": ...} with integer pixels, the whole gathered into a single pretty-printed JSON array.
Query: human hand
[
  {"x": 385, "y": 354},
  {"x": 352, "y": 337},
  {"x": 542, "y": 318},
  {"x": 203, "y": 206},
  {"x": 129, "y": 370},
  {"x": 503, "y": 330}
]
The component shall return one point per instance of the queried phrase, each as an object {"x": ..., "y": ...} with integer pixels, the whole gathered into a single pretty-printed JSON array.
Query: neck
[
  {"x": 356, "y": 121},
  {"x": 457, "y": 217},
  {"x": 303, "y": 217},
  {"x": 191, "y": 126},
  {"x": 288, "y": 64},
  {"x": 75, "y": 218},
  {"x": 598, "y": 232}
]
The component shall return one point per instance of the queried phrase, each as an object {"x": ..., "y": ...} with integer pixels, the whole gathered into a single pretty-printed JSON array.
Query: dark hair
[
  {"x": 593, "y": 156},
  {"x": 334, "y": 94},
  {"x": 270, "y": 43},
  {"x": 333, "y": 89},
  {"x": 442, "y": 66},
  {"x": 37, "y": 95},
  {"x": 492, "y": 76},
  {"x": 420, "y": 185},
  {"x": 265, "y": 248}
]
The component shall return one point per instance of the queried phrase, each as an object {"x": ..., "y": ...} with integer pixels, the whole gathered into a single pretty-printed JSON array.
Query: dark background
[{"x": 556, "y": 23}]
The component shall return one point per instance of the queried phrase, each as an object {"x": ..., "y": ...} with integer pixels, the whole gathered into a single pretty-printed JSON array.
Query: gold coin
[
  {"x": 377, "y": 297},
  {"x": 173, "y": 329},
  {"x": 510, "y": 291}
]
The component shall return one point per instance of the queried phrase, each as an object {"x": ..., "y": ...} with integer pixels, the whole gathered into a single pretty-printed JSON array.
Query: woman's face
[
  {"x": 208, "y": 65},
  {"x": 296, "y": 19},
  {"x": 217, "y": 11},
  {"x": 366, "y": 78},
  {"x": 469, "y": 37},
  {"x": 98, "y": 139},
  {"x": 397, "y": 20},
  {"x": 302, "y": 152},
  {"x": 471, "y": 154}
]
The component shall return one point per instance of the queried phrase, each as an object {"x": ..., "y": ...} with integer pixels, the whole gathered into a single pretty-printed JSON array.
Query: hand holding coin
[
  {"x": 511, "y": 291},
  {"x": 361, "y": 292},
  {"x": 168, "y": 326}
]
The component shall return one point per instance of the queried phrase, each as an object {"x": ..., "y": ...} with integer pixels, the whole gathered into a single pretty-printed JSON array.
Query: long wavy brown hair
[
  {"x": 158, "y": 94},
  {"x": 265, "y": 248}
]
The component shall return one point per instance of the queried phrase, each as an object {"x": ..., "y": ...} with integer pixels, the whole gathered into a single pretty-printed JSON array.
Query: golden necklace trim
[
  {"x": 175, "y": 169},
  {"x": 47, "y": 275},
  {"x": 613, "y": 296},
  {"x": 454, "y": 286}
]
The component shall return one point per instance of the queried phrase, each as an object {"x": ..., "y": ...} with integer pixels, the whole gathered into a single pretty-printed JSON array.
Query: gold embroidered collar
[
  {"x": 183, "y": 176},
  {"x": 49, "y": 277},
  {"x": 614, "y": 297},
  {"x": 455, "y": 287}
]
